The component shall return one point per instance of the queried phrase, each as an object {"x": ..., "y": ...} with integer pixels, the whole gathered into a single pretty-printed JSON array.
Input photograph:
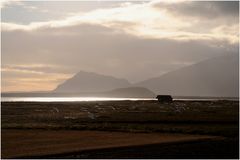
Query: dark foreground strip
[{"x": 217, "y": 149}]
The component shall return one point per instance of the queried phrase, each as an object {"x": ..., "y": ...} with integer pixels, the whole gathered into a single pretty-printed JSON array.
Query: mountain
[
  {"x": 218, "y": 77},
  {"x": 90, "y": 82}
]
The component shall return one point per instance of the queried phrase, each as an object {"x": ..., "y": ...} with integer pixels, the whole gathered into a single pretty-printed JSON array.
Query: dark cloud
[
  {"x": 104, "y": 50},
  {"x": 203, "y": 9}
]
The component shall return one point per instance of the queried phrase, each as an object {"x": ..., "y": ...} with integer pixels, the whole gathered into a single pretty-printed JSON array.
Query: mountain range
[{"x": 217, "y": 77}]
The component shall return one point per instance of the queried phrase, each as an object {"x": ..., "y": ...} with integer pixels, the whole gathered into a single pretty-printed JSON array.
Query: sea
[{"x": 84, "y": 99}]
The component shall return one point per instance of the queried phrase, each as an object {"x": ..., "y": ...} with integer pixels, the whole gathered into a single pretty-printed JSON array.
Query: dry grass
[
  {"x": 56, "y": 128},
  {"x": 215, "y": 118},
  {"x": 24, "y": 143}
]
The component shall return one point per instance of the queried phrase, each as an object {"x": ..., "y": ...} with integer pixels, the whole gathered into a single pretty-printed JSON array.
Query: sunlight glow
[
  {"x": 68, "y": 99},
  {"x": 142, "y": 20}
]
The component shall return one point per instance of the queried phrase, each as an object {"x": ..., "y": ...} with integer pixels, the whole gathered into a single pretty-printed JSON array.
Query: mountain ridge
[
  {"x": 91, "y": 82},
  {"x": 215, "y": 77},
  {"x": 205, "y": 78}
]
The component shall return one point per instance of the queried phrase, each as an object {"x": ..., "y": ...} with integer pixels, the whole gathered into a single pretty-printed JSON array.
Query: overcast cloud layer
[{"x": 127, "y": 40}]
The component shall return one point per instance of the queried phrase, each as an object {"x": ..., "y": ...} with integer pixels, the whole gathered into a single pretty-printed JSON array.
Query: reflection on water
[
  {"x": 67, "y": 99},
  {"x": 84, "y": 99}
]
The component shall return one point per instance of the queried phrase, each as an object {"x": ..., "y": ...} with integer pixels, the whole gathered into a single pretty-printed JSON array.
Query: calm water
[
  {"x": 67, "y": 99},
  {"x": 83, "y": 99}
]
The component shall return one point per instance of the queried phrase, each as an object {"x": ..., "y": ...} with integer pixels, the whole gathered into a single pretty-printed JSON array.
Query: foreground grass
[{"x": 212, "y": 118}]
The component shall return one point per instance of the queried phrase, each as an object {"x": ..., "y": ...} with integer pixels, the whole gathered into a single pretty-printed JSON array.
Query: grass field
[{"x": 209, "y": 118}]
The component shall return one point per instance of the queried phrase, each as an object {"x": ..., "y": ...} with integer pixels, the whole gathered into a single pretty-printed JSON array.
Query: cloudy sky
[{"x": 46, "y": 42}]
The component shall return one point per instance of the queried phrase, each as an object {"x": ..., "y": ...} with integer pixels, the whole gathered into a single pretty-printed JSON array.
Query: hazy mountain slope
[
  {"x": 91, "y": 82},
  {"x": 214, "y": 77}
]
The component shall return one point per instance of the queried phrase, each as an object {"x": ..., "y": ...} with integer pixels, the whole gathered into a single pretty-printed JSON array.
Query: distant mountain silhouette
[
  {"x": 216, "y": 77},
  {"x": 213, "y": 77},
  {"x": 91, "y": 82}
]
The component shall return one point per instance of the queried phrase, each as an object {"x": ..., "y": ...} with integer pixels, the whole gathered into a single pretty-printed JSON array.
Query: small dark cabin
[{"x": 164, "y": 98}]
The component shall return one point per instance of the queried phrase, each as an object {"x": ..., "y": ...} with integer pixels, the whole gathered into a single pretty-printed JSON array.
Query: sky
[{"x": 43, "y": 43}]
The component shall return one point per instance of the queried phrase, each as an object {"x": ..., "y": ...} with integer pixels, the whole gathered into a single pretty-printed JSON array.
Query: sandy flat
[{"x": 18, "y": 143}]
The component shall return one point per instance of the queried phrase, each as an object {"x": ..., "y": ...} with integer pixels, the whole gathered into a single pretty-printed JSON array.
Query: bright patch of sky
[{"x": 26, "y": 12}]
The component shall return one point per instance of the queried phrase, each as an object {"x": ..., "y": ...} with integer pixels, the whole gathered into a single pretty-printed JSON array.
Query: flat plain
[{"x": 120, "y": 129}]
